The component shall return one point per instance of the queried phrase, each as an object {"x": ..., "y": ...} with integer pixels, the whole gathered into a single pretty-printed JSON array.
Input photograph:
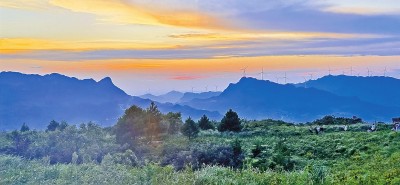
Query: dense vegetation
[{"x": 147, "y": 147}]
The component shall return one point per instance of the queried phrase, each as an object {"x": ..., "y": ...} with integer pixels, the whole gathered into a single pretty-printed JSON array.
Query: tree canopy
[
  {"x": 230, "y": 122},
  {"x": 205, "y": 123},
  {"x": 190, "y": 129}
]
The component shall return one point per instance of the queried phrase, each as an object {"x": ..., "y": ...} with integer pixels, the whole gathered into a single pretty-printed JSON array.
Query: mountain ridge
[
  {"x": 38, "y": 99},
  {"x": 257, "y": 99}
]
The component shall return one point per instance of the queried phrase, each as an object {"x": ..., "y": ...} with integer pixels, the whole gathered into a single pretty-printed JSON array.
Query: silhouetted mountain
[
  {"x": 191, "y": 96},
  {"x": 256, "y": 99},
  {"x": 37, "y": 100},
  {"x": 170, "y": 97},
  {"x": 377, "y": 90}
]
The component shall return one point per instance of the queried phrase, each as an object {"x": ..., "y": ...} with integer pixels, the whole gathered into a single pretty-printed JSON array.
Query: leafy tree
[
  {"x": 205, "y": 123},
  {"x": 24, "y": 128},
  {"x": 230, "y": 122},
  {"x": 153, "y": 119},
  {"x": 53, "y": 125},
  {"x": 131, "y": 125},
  {"x": 20, "y": 142},
  {"x": 63, "y": 125},
  {"x": 174, "y": 122},
  {"x": 190, "y": 129}
]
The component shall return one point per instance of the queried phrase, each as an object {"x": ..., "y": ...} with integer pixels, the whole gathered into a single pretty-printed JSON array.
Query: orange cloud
[
  {"x": 131, "y": 13},
  {"x": 15, "y": 45},
  {"x": 126, "y": 12}
]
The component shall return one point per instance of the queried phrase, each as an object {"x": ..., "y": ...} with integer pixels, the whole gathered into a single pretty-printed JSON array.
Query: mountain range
[
  {"x": 379, "y": 90},
  {"x": 36, "y": 100},
  {"x": 258, "y": 99},
  {"x": 179, "y": 97}
]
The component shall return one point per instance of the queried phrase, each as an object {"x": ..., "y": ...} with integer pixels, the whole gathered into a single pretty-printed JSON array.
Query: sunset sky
[{"x": 158, "y": 46}]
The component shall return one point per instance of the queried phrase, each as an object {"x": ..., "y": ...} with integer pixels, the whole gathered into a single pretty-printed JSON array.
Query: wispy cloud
[{"x": 126, "y": 12}]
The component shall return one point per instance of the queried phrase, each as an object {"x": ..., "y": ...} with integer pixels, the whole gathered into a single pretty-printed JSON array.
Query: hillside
[
  {"x": 256, "y": 99},
  {"x": 377, "y": 89},
  {"x": 203, "y": 95},
  {"x": 170, "y": 97}
]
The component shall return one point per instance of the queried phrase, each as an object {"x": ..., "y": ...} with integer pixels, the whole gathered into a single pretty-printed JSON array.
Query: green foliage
[
  {"x": 153, "y": 121},
  {"x": 256, "y": 152},
  {"x": 230, "y": 122},
  {"x": 282, "y": 157},
  {"x": 331, "y": 120},
  {"x": 205, "y": 123},
  {"x": 63, "y": 125},
  {"x": 137, "y": 125},
  {"x": 264, "y": 152},
  {"x": 53, "y": 125},
  {"x": 174, "y": 121},
  {"x": 131, "y": 125},
  {"x": 24, "y": 128},
  {"x": 190, "y": 129}
]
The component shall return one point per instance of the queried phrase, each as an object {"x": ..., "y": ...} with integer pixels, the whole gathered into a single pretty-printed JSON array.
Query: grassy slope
[{"x": 353, "y": 157}]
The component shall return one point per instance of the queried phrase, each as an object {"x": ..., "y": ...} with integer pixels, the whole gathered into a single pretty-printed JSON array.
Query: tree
[
  {"x": 230, "y": 122},
  {"x": 174, "y": 121},
  {"x": 131, "y": 125},
  {"x": 63, "y": 125},
  {"x": 154, "y": 117},
  {"x": 53, "y": 125},
  {"x": 205, "y": 123},
  {"x": 24, "y": 128},
  {"x": 190, "y": 129}
]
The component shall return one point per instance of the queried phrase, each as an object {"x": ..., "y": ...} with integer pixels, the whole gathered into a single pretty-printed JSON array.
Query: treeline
[{"x": 138, "y": 136}]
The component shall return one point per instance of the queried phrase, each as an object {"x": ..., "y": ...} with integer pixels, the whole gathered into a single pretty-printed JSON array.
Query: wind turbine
[
  {"x": 330, "y": 71},
  {"x": 285, "y": 77},
  {"x": 244, "y": 71},
  {"x": 311, "y": 76},
  {"x": 216, "y": 88},
  {"x": 305, "y": 82},
  {"x": 369, "y": 72},
  {"x": 192, "y": 89},
  {"x": 206, "y": 88},
  {"x": 384, "y": 72},
  {"x": 262, "y": 74},
  {"x": 351, "y": 70}
]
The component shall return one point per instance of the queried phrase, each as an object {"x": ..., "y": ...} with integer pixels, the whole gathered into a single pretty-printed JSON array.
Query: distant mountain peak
[{"x": 106, "y": 80}]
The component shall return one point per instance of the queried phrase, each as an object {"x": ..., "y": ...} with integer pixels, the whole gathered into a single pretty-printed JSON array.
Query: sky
[{"x": 149, "y": 46}]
